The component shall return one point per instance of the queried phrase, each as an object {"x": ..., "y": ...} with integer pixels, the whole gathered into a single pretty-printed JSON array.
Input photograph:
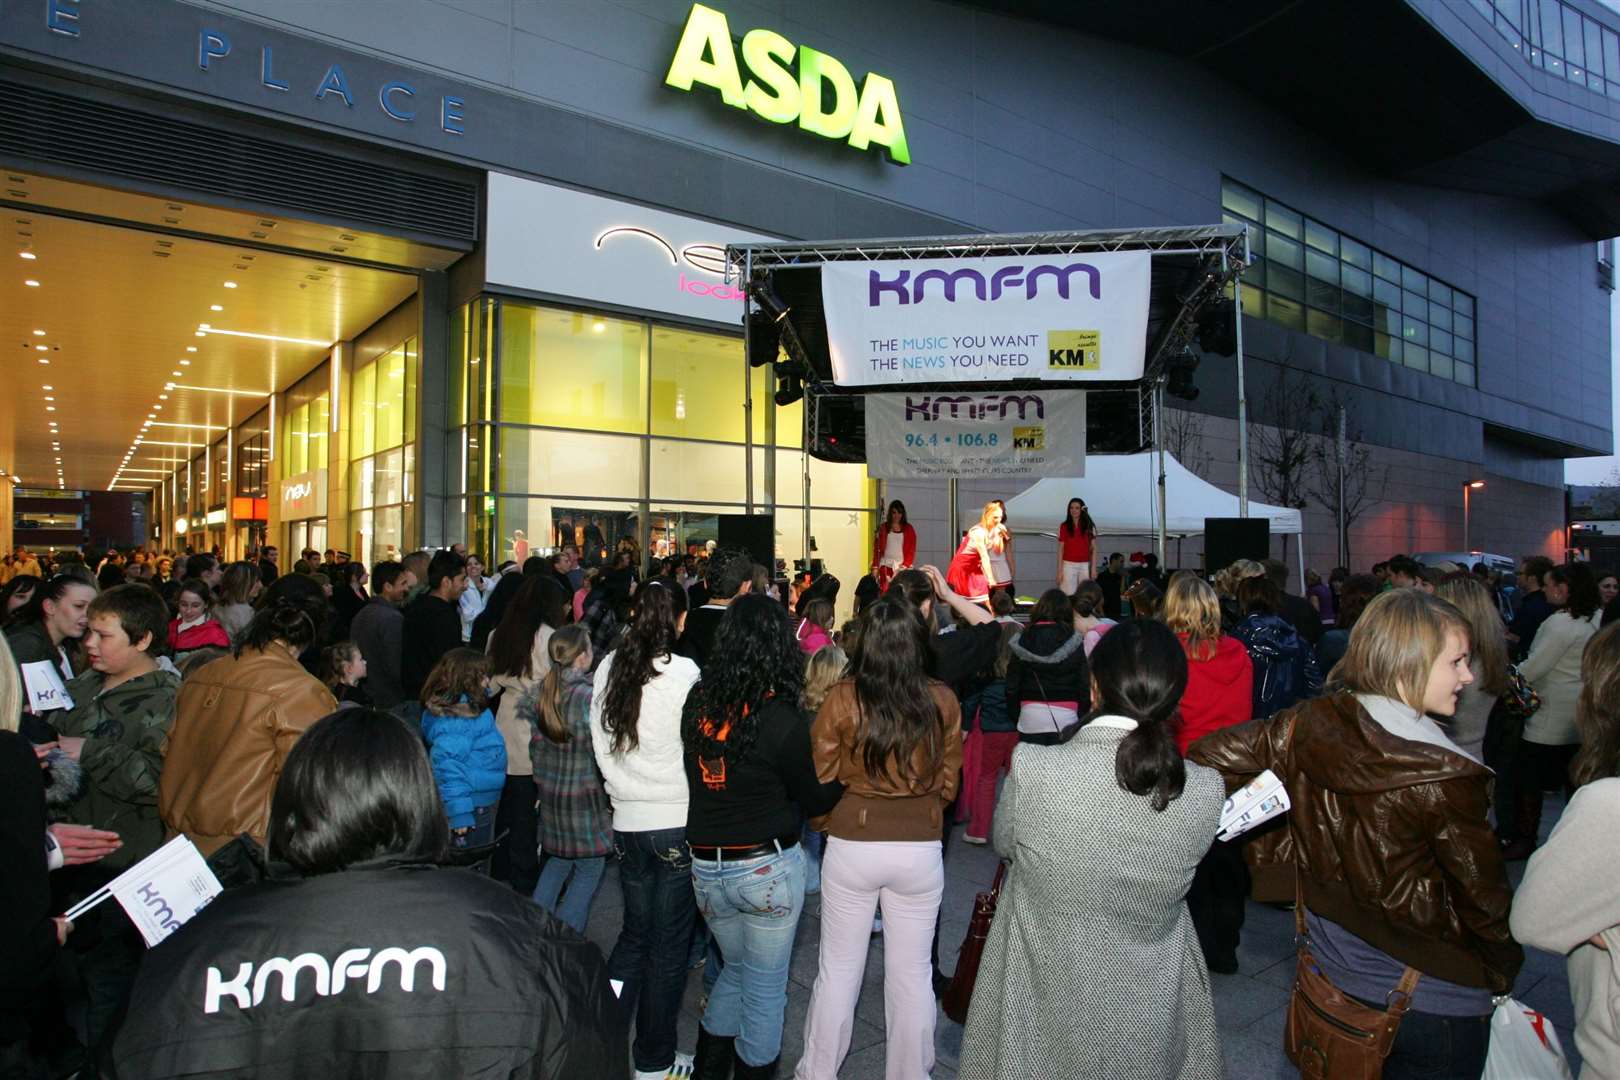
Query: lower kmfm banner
[{"x": 1026, "y": 434}]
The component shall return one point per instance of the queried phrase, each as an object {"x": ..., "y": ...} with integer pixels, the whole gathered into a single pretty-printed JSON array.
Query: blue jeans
[
  {"x": 814, "y": 844},
  {"x": 655, "y": 874},
  {"x": 752, "y": 907},
  {"x": 581, "y": 877},
  {"x": 482, "y": 831},
  {"x": 1429, "y": 1046}
]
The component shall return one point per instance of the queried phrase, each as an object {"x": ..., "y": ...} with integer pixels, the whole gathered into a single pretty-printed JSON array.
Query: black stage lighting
[{"x": 764, "y": 339}]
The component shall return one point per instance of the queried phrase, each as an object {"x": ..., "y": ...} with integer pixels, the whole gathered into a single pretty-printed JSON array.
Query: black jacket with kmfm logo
[{"x": 385, "y": 970}]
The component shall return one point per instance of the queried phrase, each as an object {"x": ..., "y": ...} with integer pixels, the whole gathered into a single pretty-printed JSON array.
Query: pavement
[{"x": 1250, "y": 1007}]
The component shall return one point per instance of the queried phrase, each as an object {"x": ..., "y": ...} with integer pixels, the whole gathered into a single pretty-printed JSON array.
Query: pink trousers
[{"x": 907, "y": 879}]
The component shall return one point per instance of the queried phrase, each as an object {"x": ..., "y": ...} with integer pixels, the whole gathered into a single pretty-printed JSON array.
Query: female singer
[
  {"x": 1076, "y": 536},
  {"x": 984, "y": 561},
  {"x": 896, "y": 546}
]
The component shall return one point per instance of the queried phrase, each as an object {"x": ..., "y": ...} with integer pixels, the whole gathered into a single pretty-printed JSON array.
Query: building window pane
[
  {"x": 1439, "y": 294},
  {"x": 1414, "y": 305},
  {"x": 390, "y": 478},
  {"x": 1413, "y": 280},
  {"x": 1324, "y": 325},
  {"x": 1355, "y": 253},
  {"x": 1386, "y": 267},
  {"x": 1321, "y": 295},
  {"x": 1285, "y": 312},
  {"x": 1240, "y": 200},
  {"x": 1358, "y": 336},
  {"x": 1439, "y": 364},
  {"x": 1464, "y": 304},
  {"x": 1321, "y": 237},
  {"x": 1552, "y": 33},
  {"x": 570, "y": 369},
  {"x": 698, "y": 472},
  {"x": 1357, "y": 281},
  {"x": 1417, "y": 357},
  {"x": 1387, "y": 293},
  {"x": 1284, "y": 220},
  {"x": 1285, "y": 252},
  {"x": 1357, "y": 307},
  {"x": 1439, "y": 317},
  {"x": 1463, "y": 350},
  {"x": 390, "y": 380},
  {"x": 1323, "y": 267},
  {"x": 697, "y": 385},
  {"x": 1463, "y": 328},
  {"x": 1254, "y": 303},
  {"x": 1389, "y": 321},
  {"x": 566, "y": 462},
  {"x": 1439, "y": 341},
  {"x": 1285, "y": 282},
  {"x": 1611, "y": 55},
  {"x": 1574, "y": 44},
  {"x": 546, "y": 524},
  {"x": 1463, "y": 373},
  {"x": 1388, "y": 346},
  {"x": 1257, "y": 235},
  {"x": 362, "y": 482},
  {"x": 1415, "y": 332},
  {"x": 363, "y": 411}
]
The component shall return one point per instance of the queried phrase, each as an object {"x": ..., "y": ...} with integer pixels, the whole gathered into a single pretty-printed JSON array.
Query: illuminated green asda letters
[{"x": 822, "y": 97}]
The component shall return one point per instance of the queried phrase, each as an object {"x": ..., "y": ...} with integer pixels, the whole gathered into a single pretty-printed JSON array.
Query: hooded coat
[
  {"x": 1219, "y": 691},
  {"x": 1048, "y": 663},
  {"x": 1285, "y": 668}
]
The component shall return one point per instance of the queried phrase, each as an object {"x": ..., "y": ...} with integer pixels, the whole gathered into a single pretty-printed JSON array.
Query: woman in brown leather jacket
[
  {"x": 1396, "y": 862},
  {"x": 893, "y": 737}
]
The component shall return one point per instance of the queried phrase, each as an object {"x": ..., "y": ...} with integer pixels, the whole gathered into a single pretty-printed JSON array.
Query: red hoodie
[{"x": 1220, "y": 691}]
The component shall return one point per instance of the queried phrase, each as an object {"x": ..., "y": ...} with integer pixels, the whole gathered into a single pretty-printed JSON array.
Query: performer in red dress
[
  {"x": 984, "y": 561},
  {"x": 896, "y": 546}
]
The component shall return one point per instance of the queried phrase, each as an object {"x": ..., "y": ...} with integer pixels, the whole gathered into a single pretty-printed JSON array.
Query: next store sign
[{"x": 865, "y": 117}]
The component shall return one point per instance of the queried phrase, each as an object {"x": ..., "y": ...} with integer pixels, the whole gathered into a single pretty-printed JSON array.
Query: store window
[
  {"x": 573, "y": 370},
  {"x": 382, "y": 453},
  {"x": 308, "y": 411},
  {"x": 1308, "y": 277},
  {"x": 253, "y": 456},
  {"x": 608, "y": 429}
]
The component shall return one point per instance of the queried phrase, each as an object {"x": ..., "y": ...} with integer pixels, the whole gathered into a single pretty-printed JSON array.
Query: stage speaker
[
  {"x": 1226, "y": 540},
  {"x": 753, "y": 533}
]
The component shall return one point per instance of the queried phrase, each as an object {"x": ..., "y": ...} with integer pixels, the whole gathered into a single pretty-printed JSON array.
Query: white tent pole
[{"x": 1299, "y": 549}]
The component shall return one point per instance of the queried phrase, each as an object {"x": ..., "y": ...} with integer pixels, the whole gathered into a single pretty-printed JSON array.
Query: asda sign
[{"x": 788, "y": 83}]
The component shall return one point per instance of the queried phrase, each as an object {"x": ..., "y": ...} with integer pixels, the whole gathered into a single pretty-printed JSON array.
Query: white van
[{"x": 1467, "y": 560}]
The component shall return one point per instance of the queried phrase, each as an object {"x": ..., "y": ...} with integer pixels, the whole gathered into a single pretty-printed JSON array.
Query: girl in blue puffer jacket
[{"x": 467, "y": 751}]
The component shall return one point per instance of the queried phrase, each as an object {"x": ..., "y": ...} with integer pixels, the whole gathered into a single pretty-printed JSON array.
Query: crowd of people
[{"x": 428, "y": 763}]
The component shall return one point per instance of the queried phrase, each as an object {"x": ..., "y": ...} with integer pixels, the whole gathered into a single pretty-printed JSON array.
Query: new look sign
[{"x": 1052, "y": 317}]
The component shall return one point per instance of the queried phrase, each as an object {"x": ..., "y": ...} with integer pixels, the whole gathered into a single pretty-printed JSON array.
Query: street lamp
[{"x": 1472, "y": 485}]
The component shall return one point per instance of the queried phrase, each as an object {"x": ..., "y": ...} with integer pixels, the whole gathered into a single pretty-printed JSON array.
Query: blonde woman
[
  {"x": 1220, "y": 687},
  {"x": 984, "y": 561},
  {"x": 1487, "y": 660},
  {"x": 1226, "y": 588},
  {"x": 1386, "y": 808},
  {"x": 823, "y": 669}
]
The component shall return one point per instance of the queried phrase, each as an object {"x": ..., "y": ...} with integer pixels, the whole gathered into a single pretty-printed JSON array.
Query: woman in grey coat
[{"x": 1092, "y": 967}]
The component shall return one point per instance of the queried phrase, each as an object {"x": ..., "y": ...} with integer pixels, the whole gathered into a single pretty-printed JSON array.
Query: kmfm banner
[
  {"x": 1062, "y": 317},
  {"x": 976, "y": 436}
]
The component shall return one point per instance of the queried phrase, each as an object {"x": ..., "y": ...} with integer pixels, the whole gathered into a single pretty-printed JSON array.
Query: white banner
[
  {"x": 1025, "y": 435},
  {"x": 1059, "y": 317}
]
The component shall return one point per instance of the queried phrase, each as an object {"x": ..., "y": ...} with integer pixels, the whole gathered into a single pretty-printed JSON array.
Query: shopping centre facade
[{"x": 521, "y": 211}]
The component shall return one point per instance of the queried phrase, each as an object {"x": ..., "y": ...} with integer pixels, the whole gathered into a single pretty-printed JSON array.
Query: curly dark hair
[{"x": 755, "y": 658}]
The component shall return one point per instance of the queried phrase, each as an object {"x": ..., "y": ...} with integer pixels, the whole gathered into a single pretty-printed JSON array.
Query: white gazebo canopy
[{"x": 1121, "y": 491}]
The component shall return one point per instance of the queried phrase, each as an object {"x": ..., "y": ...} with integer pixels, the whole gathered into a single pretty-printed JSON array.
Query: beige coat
[{"x": 514, "y": 724}]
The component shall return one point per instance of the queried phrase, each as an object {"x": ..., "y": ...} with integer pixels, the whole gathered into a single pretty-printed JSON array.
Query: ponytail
[
  {"x": 1140, "y": 671},
  {"x": 564, "y": 647},
  {"x": 1148, "y": 763}
]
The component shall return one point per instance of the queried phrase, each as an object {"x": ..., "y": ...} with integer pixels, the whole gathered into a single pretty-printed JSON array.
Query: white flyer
[
  {"x": 46, "y": 691},
  {"x": 162, "y": 892},
  {"x": 1255, "y": 803}
]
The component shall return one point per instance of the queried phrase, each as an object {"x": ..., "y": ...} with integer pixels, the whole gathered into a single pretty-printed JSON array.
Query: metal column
[{"x": 1242, "y": 395}]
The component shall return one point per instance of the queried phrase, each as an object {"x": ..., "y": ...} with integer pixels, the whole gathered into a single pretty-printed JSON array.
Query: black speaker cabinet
[
  {"x": 1226, "y": 540},
  {"x": 753, "y": 533}
]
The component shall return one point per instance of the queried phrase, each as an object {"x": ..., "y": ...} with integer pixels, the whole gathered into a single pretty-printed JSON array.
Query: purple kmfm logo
[
  {"x": 973, "y": 406},
  {"x": 1008, "y": 277}
]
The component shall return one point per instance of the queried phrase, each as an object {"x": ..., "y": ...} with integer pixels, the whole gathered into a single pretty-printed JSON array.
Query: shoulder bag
[
  {"x": 959, "y": 995},
  {"x": 1330, "y": 1035}
]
